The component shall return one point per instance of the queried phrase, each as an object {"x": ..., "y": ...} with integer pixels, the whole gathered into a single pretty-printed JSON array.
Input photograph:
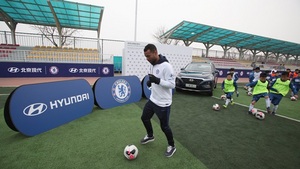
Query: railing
[
  {"x": 55, "y": 56},
  {"x": 108, "y": 47},
  {"x": 30, "y": 39}
]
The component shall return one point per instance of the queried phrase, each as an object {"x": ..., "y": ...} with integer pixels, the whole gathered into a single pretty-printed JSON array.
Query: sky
[{"x": 278, "y": 19}]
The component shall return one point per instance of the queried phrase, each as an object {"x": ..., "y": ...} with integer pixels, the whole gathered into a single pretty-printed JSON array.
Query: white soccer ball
[
  {"x": 131, "y": 152},
  {"x": 223, "y": 97},
  {"x": 254, "y": 111},
  {"x": 216, "y": 107},
  {"x": 260, "y": 115},
  {"x": 293, "y": 98}
]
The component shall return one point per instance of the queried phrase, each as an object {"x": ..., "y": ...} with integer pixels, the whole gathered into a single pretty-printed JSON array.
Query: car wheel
[{"x": 210, "y": 93}]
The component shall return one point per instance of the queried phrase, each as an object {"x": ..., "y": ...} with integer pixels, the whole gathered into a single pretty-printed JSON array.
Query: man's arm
[
  {"x": 169, "y": 77},
  {"x": 292, "y": 87},
  {"x": 235, "y": 86},
  {"x": 222, "y": 85},
  {"x": 251, "y": 77},
  {"x": 293, "y": 81},
  {"x": 236, "y": 76},
  {"x": 270, "y": 87},
  {"x": 251, "y": 84}
]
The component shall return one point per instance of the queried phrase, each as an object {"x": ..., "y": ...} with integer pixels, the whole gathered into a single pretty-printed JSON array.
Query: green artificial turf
[
  {"x": 94, "y": 141},
  {"x": 230, "y": 138},
  {"x": 4, "y": 93},
  {"x": 286, "y": 106}
]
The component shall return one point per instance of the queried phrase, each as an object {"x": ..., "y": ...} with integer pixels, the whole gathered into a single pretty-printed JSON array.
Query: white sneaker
[
  {"x": 170, "y": 151},
  {"x": 147, "y": 139}
]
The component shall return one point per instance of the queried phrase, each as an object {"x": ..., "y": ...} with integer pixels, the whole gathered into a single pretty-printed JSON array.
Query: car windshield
[{"x": 198, "y": 68}]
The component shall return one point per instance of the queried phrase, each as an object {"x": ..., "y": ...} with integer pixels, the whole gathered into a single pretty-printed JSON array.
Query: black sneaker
[
  {"x": 170, "y": 151},
  {"x": 249, "y": 112},
  {"x": 147, "y": 139},
  {"x": 273, "y": 113}
]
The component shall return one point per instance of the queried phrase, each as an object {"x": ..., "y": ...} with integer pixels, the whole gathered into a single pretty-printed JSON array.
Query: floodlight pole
[
  {"x": 58, "y": 25},
  {"x": 135, "y": 27}
]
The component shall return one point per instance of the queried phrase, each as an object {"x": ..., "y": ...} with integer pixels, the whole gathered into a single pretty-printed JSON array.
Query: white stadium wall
[{"x": 134, "y": 62}]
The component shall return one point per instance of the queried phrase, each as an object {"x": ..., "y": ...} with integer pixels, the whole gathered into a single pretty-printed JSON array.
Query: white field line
[
  {"x": 264, "y": 111},
  {"x": 4, "y": 94}
]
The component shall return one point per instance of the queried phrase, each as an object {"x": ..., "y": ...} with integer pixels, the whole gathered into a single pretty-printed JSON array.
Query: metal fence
[
  {"x": 55, "y": 56},
  {"x": 107, "y": 47}
]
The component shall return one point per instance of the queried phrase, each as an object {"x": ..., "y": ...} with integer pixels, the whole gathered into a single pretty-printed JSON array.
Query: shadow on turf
[{"x": 17, "y": 136}]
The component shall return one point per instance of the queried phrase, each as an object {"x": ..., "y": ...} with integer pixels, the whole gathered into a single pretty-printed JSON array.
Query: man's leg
[
  {"x": 275, "y": 101},
  {"x": 163, "y": 113},
  {"x": 148, "y": 112},
  {"x": 255, "y": 98},
  {"x": 267, "y": 99},
  {"x": 228, "y": 99}
]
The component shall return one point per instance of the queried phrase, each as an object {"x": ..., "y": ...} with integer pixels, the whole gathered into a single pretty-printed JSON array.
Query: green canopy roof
[
  {"x": 52, "y": 12},
  {"x": 194, "y": 32}
]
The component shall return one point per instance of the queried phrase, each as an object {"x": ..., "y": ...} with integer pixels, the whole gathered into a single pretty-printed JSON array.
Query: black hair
[
  {"x": 257, "y": 68},
  {"x": 150, "y": 47},
  {"x": 263, "y": 74},
  {"x": 231, "y": 69},
  {"x": 285, "y": 74},
  {"x": 231, "y": 74}
]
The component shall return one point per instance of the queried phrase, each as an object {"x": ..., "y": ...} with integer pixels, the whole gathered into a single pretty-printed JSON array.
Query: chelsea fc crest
[{"x": 121, "y": 90}]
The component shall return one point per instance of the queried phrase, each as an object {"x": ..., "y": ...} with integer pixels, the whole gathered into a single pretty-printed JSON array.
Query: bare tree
[
  {"x": 232, "y": 53},
  {"x": 160, "y": 31},
  {"x": 51, "y": 33}
]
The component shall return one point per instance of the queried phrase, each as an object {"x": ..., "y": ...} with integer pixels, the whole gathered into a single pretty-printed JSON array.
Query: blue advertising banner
[
  {"x": 146, "y": 89},
  {"x": 116, "y": 91},
  {"x": 37, "y": 108},
  {"x": 28, "y": 69}
]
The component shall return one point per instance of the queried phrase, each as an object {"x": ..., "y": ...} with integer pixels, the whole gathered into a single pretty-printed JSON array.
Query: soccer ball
[
  {"x": 260, "y": 115},
  {"x": 223, "y": 97},
  {"x": 249, "y": 93},
  {"x": 131, "y": 152},
  {"x": 254, "y": 111},
  {"x": 216, "y": 107},
  {"x": 293, "y": 98}
]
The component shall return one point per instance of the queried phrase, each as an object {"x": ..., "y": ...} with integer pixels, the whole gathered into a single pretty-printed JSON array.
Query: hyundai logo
[
  {"x": 35, "y": 109},
  {"x": 13, "y": 70},
  {"x": 73, "y": 70},
  {"x": 191, "y": 80}
]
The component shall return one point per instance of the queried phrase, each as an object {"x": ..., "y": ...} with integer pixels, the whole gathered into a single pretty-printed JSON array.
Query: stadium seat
[
  {"x": 224, "y": 62},
  {"x": 7, "y": 49},
  {"x": 65, "y": 54}
]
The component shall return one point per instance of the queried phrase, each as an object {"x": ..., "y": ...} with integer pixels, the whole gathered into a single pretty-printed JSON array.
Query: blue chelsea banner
[
  {"x": 36, "y": 108},
  {"x": 116, "y": 91},
  {"x": 146, "y": 89}
]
